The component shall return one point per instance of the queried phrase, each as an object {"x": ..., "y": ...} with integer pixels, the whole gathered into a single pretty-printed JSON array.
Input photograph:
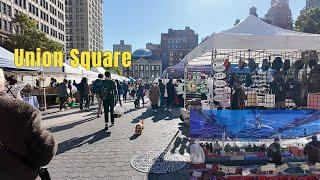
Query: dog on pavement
[{"x": 139, "y": 127}]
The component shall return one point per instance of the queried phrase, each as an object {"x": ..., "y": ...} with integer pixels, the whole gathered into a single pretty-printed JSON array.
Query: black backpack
[{"x": 108, "y": 89}]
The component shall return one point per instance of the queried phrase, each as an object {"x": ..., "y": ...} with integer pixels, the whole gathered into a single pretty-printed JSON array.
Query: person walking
[
  {"x": 154, "y": 97},
  {"x": 162, "y": 90},
  {"x": 84, "y": 91},
  {"x": 171, "y": 94},
  {"x": 108, "y": 94},
  {"x": 125, "y": 90},
  {"x": 119, "y": 90},
  {"x": 70, "y": 88},
  {"x": 217, "y": 148},
  {"x": 63, "y": 94},
  {"x": 91, "y": 95},
  {"x": 140, "y": 92},
  {"x": 179, "y": 90},
  {"x": 96, "y": 89},
  {"x": 25, "y": 146},
  {"x": 312, "y": 151}
]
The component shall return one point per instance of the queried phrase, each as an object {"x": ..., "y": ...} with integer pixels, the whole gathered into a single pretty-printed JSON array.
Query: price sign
[
  {"x": 219, "y": 91},
  {"x": 268, "y": 167},
  {"x": 196, "y": 174},
  {"x": 220, "y": 83},
  {"x": 228, "y": 170},
  {"x": 305, "y": 167},
  {"x": 220, "y": 98},
  {"x": 209, "y": 166},
  {"x": 220, "y": 75},
  {"x": 281, "y": 168},
  {"x": 215, "y": 61},
  {"x": 219, "y": 68}
]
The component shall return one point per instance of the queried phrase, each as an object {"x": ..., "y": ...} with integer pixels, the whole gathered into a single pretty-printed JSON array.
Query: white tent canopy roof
[{"x": 254, "y": 34}]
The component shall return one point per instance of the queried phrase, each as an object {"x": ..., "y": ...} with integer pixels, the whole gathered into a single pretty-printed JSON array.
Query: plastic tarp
[
  {"x": 254, "y": 34},
  {"x": 7, "y": 61},
  {"x": 255, "y": 124}
]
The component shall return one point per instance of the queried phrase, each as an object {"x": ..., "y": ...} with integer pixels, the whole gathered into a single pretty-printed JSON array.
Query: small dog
[{"x": 139, "y": 127}]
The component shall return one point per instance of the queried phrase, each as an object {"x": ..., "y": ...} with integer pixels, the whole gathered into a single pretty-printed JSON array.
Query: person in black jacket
[
  {"x": 63, "y": 94},
  {"x": 84, "y": 91},
  {"x": 108, "y": 94},
  {"x": 125, "y": 89},
  {"x": 171, "y": 94},
  {"x": 162, "y": 90}
]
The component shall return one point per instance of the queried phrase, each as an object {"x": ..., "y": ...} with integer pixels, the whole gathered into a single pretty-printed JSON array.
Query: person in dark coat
[
  {"x": 125, "y": 89},
  {"x": 162, "y": 90},
  {"x": 312, "y": 151},
  {"x": 119, "y": 89},
  {"x": 84, "y": 91},
  {"x": 171, "y": 94},
  {"x": 274, "y": 152},
  {"x": 238, "y": 97},
  {"x": 140, "y": 92},
  {"x": 25, "y": 145},
  {"x": 63, "y": 94}
]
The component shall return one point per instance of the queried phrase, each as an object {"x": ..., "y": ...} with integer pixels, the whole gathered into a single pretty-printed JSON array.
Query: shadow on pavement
[
  {"x": 69, "y": 126},
  {"x": 158, "y": 116},
  {"x": 133, "y": 137},
  {"x": 61, "y": 115},
  {"x": 79, "y": 141},
  {"x": 181, "y": 142}
]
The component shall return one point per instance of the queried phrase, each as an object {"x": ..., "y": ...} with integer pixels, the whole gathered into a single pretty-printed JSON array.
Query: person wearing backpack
[
  {"x": 96, "y": 89},
  {"x": 108, "y": 94}
]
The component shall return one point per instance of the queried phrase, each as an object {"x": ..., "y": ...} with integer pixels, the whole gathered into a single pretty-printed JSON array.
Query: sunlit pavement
[{"x": 86, "y": 151}]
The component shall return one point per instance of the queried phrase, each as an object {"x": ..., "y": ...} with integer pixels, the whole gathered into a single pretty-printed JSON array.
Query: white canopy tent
[
  {"x": 255, "y": 35},
  {"x": 78, "y": 73},
  {"x": 113, "y": 75}
]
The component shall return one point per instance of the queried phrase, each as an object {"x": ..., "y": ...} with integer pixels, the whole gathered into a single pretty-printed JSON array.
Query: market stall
[
  {"x": 264, "y": 85},
  {"x": 276, "y": 68}
]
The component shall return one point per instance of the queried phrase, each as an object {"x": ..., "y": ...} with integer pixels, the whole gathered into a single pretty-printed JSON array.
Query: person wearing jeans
[
  {"x": 84, "y": 92},
  {"x": 99, "y": 81}
]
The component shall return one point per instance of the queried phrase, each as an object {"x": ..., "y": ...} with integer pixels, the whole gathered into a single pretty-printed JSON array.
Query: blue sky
[{"x": 141, "y": 21}]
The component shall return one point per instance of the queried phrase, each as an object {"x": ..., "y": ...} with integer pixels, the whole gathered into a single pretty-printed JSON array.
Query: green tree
[
  {"x": 237, "y": 21},
  {"x": 114, "y": 70},
  {"x": 29, "y": 37},
  {"x": 309, "y": 22}
]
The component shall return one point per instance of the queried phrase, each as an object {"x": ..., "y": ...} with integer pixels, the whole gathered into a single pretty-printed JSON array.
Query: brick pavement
[{"x": 86, "y": 151}]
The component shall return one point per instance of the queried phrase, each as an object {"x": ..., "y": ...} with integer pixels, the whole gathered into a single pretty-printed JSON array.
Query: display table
[{"x": 32, "y": 100}]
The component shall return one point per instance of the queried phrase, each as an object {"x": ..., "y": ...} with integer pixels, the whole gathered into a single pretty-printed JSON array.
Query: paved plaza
[{"x": 87, "y": 151}]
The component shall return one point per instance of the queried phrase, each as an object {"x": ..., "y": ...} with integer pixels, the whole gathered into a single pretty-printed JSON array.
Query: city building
[
  {"x": 84, "y": 25},
  {"x": 253, "y": 11},
  {"x": 145, "y": 66},
  {"x": 122, "y": 47},
  {"x": 280, "y": 14},
  {"x": 155, "y": 49},
  {"x": 310, "y": 4},
  {"x": 49, "y": 15},
  {"x": 176, "y": 44}
]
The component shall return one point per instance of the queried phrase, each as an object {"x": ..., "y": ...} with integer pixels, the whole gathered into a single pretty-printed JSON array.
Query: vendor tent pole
[
  {"x": 185, "y": 82},
  {"x": 223, "y": 139},
  {"x": 44, "y": 91}
]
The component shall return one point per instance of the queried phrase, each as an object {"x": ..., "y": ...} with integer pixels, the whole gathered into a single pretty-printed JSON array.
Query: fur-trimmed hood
[{"x": 21, "y": 132}]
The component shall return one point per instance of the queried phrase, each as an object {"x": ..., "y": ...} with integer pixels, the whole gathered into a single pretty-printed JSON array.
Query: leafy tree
[
  {"x": 236, "y": 22},
  {"x": 29, "y": 37},
  {"x": 114, "y": 70},
  {"x": 309, "y": 22}
]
